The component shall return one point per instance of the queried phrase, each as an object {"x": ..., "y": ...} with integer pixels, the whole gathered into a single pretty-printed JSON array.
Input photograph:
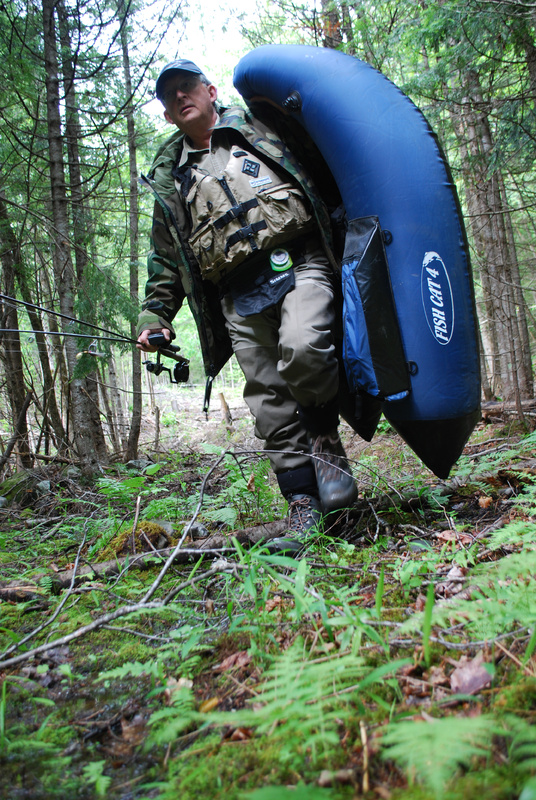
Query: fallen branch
[
  {"x": 19, "y": 591},
  {"x": 211, "y": 546}
]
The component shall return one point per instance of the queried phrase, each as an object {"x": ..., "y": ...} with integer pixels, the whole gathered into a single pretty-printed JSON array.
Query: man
[{"x": 240, "y": 231}]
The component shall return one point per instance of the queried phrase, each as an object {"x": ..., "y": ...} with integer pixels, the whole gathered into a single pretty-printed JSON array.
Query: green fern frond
[
  {"x": 168, "y": 723},
  {"x": 434, "y": 750},
  {"x": 132, "y": 669},
  {"x": 227, "y": 515},
  {"x": 94, "y": 773},
  {"x": 45, "y": 582},
  {"x": 304, "y": 702},
  {"x": 522, "y": 749},
  {"x": 123, "y": 490},
  {"x": 504, "y": 600},
  {"x": 518, "y": 532}
]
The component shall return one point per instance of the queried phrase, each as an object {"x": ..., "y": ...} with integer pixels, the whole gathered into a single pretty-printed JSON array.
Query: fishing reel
[{"x": 181, "y": 370}]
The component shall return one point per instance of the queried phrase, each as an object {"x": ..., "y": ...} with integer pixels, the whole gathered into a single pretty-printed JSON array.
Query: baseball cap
[{"x": 180, "y": 65}]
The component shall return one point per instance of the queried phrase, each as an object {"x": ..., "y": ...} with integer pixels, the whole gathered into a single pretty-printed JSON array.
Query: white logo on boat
[{"x": 437, "y": 299}]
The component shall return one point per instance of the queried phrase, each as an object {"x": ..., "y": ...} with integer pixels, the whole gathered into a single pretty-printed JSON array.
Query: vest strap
[
  {"x": 235, "y": 212},
  {"x": 243, "y": 233}
]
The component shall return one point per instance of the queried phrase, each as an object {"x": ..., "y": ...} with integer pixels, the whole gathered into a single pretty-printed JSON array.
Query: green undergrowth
[{"x": 395, "y": 658}]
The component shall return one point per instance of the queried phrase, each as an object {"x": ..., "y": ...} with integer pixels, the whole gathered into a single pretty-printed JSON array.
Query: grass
[{"x": 327, "y": 677}]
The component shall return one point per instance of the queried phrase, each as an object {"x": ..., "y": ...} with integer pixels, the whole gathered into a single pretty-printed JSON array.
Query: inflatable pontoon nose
[{"x": 411, "y": 331}]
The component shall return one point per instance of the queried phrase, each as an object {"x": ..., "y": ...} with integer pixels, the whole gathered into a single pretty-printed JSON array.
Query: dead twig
[{"x": 364, "y": 741}]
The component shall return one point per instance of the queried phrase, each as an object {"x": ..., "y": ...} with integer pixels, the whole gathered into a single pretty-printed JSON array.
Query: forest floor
[{"x": 394, "y": 659}]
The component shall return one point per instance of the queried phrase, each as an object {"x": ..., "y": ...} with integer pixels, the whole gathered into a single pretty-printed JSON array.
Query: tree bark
[
  {"x": 490, "y": 222},
  {"x": 133, "y": 213},
  {"x": 11, "y": 346},
  {"x": 63, "y": 265},
  {"x": 80, "y": 212},
  {"x": 110, "y": 415},
  {"x": 118, "y": 404},
  {"x": 50, "y": 405}
]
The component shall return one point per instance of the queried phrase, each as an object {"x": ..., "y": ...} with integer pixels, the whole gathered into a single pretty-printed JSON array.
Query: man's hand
[{"x": 143, "y": 339}]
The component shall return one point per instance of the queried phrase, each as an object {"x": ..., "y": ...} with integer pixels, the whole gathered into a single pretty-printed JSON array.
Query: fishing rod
[
  {"x": 181, "y": 370},
  {"x": 67, "y": 333},
  {"x": 118, "y": 336}
]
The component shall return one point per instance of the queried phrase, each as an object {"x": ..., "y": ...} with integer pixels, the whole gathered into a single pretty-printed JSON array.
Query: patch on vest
[
  {"x": 251, "y": 167},
  {"x": 263, "y": 181}
]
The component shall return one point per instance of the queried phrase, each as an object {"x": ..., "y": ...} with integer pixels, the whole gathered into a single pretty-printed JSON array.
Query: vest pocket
[
  {"x": 206, "y": 249},
  {"x": 284, "y": 209}
]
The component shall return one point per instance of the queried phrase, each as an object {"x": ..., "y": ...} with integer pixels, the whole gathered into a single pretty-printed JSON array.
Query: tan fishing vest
[{"x": 242, "y": 210}]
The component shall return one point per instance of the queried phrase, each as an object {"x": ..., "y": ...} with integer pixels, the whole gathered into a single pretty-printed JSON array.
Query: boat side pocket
[{"x": 373, "y": 351}]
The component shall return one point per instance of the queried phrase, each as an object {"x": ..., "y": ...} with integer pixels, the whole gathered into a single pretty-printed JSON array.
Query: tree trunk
[
  {"x": 490, "y": 221},
  {"x": 60, "y": 376},
  {"x": 81, "y": 216},
  {"x": 50, "y": 405},
  {"x": 11, "y": 346},
  {"x": 118, "y": 405},
  {"x": 92, "y": 388},
  {"x": 331, "y": 25},
  {"x": 83, "y": 431},
  {"x": 135, "y": 424},
  {"x": 111, "y": 417}
]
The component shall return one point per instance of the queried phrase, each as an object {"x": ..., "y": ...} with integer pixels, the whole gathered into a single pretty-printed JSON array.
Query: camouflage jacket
[{"x": 173, "y": 273}]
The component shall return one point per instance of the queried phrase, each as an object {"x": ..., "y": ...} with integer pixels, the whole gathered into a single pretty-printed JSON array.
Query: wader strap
[
  {"x": 243, "y": 233},
  {"x": 234, "y": 212},
  {"x": 208, "y": 392}
]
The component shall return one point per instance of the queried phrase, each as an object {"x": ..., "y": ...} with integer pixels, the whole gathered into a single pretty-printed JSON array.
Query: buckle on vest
[
  {"x": 243, "y": 233},
  {"x": 234, "y": 212}
]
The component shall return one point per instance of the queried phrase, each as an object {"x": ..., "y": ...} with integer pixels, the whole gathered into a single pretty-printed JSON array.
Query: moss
[
  {"x": 41, "y": 777},
  {"x": 19, "y": 487},
  {"x": 121, "y": 545},
  {"x": 133, "y": 651},
  {"x": 59, "y": 736},
  {"x": 223, "y": 771},
  {"x": 411, "y": 793},
  {"x": 112, "y": 649},
  {"x": 497, "y": 783},
  {"x": 518, "y": 696}
]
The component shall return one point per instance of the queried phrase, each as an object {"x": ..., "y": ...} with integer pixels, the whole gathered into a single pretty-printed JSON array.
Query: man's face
[{"x": 188, "y": 102}]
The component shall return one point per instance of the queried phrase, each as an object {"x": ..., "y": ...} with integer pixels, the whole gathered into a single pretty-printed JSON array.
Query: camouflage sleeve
[{"x": 164, "y": 292}]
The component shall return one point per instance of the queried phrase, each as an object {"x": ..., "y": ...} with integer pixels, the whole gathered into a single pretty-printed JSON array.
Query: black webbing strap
[
  {"x": 208, "y": 392},
  {"x": 234, "y": 212},
  {"x": 243, "y": 233}
]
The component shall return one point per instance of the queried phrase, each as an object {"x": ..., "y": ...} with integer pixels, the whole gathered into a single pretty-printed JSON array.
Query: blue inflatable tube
[{"x": 406, "y": 255}]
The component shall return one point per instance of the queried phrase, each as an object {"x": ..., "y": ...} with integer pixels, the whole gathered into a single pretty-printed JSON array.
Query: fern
[
  {"x": 227, "y": 515},
  {"x": 45, "y": 582},
  {"x": 519, "y": 532},
  {"x": 506, "y": 588},
  {"x": 93, "y": 773},
  {"x": 185, "y": 650},
  {"x": 171, "y": 507},
  {"x": 168, "y": 723},
  {"x": 123, "y": 490},
  {"x": 134, "y": 669},
  {"x": 299, "y": 703},
  {"x": 433, "y": 750},
  {"x": 522, "y": 749},
  {"x": 105, "y": 531},
  {"x": 529, "y": 790}
]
